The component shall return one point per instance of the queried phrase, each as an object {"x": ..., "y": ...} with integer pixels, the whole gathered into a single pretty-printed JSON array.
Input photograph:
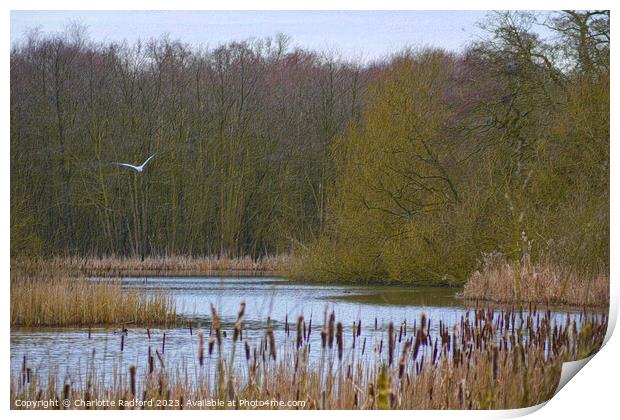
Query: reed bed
[
  {"x": 152, "y": 266},
  {"x": 489, "y": 360},
  {"x": 64, "y": 301},
  {"x": 548, "y": 283}
]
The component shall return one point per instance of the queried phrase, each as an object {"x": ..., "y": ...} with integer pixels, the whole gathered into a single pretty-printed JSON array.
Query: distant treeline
[
  {"x": 415, "y": 168},
  {"x": 242, "y": 134}
]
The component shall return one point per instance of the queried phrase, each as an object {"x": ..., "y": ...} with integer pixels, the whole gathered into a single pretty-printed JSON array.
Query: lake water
[{"x": 71, "y": 353}]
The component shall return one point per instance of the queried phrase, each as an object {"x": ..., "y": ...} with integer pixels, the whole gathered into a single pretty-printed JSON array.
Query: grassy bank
[
  {"x": 504, "y": 282},
  {"x": 488, "y": 361},
  {"x": 152, "y": 266},
  {"x": 64, "y": 301}
]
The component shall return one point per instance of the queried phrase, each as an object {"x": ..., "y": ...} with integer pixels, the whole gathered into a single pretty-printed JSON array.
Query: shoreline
[{"x": 492, "y": 285}]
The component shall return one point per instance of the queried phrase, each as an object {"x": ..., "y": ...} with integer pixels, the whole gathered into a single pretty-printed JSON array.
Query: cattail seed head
[
  {"x": 247, "y": 349},
  {"x": 132, "y": 380},
  {"x": 151, "y": 361},
  {"x": 330, "y": 329},
  {"x": 339, "y": 340},
  {"x": 216, "y": 325},
  {"x": 201, "y": 348},
  {"x": 66, "y": 391},
  {"x": 272, "y": 344},
  {"x": 300, "y": 322},
  {"x": 403, "y": 359},
  {"x": 211, "y": 343}
]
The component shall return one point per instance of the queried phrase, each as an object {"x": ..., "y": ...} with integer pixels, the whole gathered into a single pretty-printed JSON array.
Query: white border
[{"x": 592, "y": 394}]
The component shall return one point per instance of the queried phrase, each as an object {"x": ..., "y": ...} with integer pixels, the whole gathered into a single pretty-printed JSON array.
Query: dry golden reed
[
  {"x": 64, "y": 301},
  {"x": 537, "y": 283},
  {"x": 151, "y": 266}
]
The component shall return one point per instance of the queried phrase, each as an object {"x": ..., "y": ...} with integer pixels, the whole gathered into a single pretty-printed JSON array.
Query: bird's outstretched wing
[
  {"x": 135, "y": 168},
  {"x": 148, "y": 160}
]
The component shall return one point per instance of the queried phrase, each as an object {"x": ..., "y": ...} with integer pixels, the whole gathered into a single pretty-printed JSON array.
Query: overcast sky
[{"x": 356, "y": 34}]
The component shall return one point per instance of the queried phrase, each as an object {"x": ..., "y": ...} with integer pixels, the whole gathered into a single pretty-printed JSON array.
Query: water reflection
[{"x": 74, "y": 351}]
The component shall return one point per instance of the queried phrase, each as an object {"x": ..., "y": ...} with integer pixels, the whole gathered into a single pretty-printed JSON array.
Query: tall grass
[
  {"x": 64, "y": 301},
  {"x": 489, "y": 360},
  {"x": 546, "y": 283},
  {"x": 114, "y": 266}
]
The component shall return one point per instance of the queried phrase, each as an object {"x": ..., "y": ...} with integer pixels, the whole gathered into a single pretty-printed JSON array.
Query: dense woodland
[{"x": 413, "y": 168}]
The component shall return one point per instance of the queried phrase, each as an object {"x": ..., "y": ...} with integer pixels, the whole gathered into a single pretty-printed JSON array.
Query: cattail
[
  {"x": 390, "y": 342},
  {"x": 190, "y": 329},
  {"x": 211, "y": 344},
  {"x": 286, "y": 324},
  {"x": 416, "y": 347},
  {"x": 359, "y": 327},
  {"x": 330, "y": 329},
  {"x": 216, "y": 325},
  {"x": 89, "y": 331},
  {"x": 201, "y": 348},
  {"x": 339, "y": 340},
  {"x": 403, "y": 359},
  {"x": 309, "y": 328},
  {"x": 132, "y": 380},
  {"x": 24, "y": 366},
  {"x": 151, "y": 361},
  {"x": 122, "y": 342},
  {"x": 364, "y": 346},
  {"x": 247, "y": 350},
  {"x": 304, "y": 329},
  {"x": 323, "y": 338},
  {"x": 148, "y": 333},
  {"x": 272, "y": 344},
  {"x": 65, "y": 392},
  {"x": 300, "y": 321},
  {"x": 239, "y": 324},
  {"x": 163, "y": 344}
]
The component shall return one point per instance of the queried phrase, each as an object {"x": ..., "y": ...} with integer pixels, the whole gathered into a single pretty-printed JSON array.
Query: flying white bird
[{"x": 138, "y": 169}]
